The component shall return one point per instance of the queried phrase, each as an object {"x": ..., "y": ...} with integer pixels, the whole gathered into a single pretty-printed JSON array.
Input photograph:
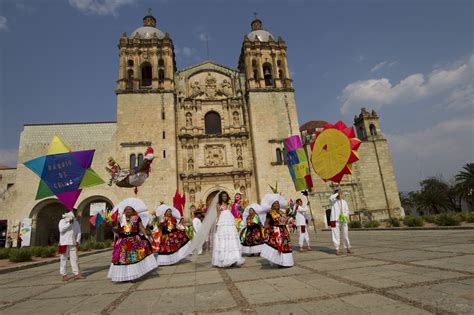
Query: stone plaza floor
[{"x": 391, "y": 272}]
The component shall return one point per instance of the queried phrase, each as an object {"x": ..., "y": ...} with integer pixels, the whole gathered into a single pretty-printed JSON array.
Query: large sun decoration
[{"x": 334, "y": 151}]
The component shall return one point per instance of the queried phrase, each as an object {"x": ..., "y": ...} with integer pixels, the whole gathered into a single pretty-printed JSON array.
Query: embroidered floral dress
[
  {"x": 251, "y": 236},
  {"x": 132, "y": 255},
  {"x": 277, "y": 247},
  {"x": 174, "y": 243}
]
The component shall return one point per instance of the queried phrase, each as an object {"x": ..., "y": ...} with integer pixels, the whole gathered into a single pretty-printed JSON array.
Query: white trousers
[
  {"x": 71, "y": 252},
  {"x": 303, "y": 237},
  {"x": 336, "y": 235}
]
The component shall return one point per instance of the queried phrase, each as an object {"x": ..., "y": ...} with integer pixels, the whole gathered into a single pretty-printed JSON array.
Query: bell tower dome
[
  {"x": 147, "y": 60},
  {"x": 263, "y": 60}
]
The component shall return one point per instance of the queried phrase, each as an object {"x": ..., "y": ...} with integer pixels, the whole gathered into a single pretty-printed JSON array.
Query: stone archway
[
  {"x": 46, "y": 216},
  {"x": 89, "y": 232}
]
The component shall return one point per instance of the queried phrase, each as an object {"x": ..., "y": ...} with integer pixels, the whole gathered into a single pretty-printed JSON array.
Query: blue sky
[{"x": 411, "y": 61}]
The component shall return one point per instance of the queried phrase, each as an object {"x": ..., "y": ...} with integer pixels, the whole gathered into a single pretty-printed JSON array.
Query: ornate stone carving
[
  {"x": 226, "y": 87},
  {"x": 215, "y": 155},
  {"x": 211, "y": 86},
  {"x": 236, "y": 119}
]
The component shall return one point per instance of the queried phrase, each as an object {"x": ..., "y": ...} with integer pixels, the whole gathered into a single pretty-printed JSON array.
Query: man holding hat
[{"x": 69, "y": 238}]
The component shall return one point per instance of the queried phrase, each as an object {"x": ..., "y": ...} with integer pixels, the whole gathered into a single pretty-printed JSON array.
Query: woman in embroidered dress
[
  {"x": 226, "y": 250},
  {"x": 277, "y": 247},
  {"x": 132, "y": 255},
  {"x": 251, "y": 236},
  {"x": 174, "y": 244}
]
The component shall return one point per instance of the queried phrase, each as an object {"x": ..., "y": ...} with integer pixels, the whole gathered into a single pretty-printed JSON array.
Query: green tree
[
  {"x": 465, "y": 183},
  {"x": 433, "y": 197}
]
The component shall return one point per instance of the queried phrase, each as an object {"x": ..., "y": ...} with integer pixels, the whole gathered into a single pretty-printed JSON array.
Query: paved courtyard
[{"x": 399, "y": 272}]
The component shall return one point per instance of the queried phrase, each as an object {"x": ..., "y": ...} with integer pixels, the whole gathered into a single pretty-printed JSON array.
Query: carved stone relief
[{"x": 214, "y": 155}]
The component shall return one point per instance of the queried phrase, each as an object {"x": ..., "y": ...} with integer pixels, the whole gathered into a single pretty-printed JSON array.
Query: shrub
[
  {"x": 49, "y": 251},
  {"x": 5, "y": 253},
  {"x": 20, "y": 255},
  {"x": 429, "y": 218},
  {"x": 36, "y": 251},
  {"x": 372, "y": 224},
  {"x": 394, "y": 222},
  {"x": 107, "y": 243},
  {"x": 413, "y": 221},
  {"x": 448, "y": 219},
  {"x": 84, "y": 247},
  {"x": 469, "y": 217},
  {"x": 355, "y": 224}
]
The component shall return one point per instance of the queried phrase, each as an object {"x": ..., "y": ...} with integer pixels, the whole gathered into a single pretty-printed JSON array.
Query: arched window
[
  {"x": 133, "y": 161},
  {"x": 267, "y": 74},
  {"x": 161, "y": 75},
  {"x": 140, "y": 159},
  {"x": 285, "y": 157},
  {"x": 280, "y": 74},
  {"x": 146, "y": 74},
  {"x": 254, "y": 63},
  {"x": 278, "y": 62},
  {"x": 278, "y": 156},
  {"x": 212, "y": 122},
  {"x": 189, "y": 119},
  {"x": 362, "y": 132},
  {"x": 130, "y": 63},
  {"x": 373, "y": 130},
  {"x": 161, "y": 63},
  {"x": 255, "y": 74}
]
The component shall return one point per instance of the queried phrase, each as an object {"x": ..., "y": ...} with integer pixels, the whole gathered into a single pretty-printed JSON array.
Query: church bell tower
[
  {"x": 146, "y": 108},
  {"x": 272, "y": 107}
]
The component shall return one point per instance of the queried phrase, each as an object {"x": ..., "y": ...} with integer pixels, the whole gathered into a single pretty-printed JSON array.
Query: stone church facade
[{"x": 212, "y": 128}]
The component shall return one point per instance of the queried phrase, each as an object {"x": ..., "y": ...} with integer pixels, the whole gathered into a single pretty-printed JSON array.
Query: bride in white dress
[{"x": 226, "y": 250}]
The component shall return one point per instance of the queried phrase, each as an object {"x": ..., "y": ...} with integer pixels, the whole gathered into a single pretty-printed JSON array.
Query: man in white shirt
[
  {"x": 69, "y": 238},
  {"x": 197, "y": 224},
  {"x": 301, "y": 224},
  {"x": 339, "y": 220}
]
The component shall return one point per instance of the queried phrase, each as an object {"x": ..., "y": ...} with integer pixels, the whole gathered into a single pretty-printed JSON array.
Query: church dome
[
  {"x": 259, "y": 32},
  {"x": 148, "y": 29},
  {"x": 313, "y": 126},
  {"x": 146, "y": 32}
]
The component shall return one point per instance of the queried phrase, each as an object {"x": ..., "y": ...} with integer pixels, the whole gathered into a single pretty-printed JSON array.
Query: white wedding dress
[{"x": 226, "y": 250}]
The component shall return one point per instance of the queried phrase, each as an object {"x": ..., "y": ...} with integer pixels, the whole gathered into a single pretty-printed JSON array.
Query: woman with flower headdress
[
  {"x": 251, "y": 235},
  {"x": 277, "y": 247},
  {"x": 174, "y": 244},
  {"x": 132, "y": 256}
]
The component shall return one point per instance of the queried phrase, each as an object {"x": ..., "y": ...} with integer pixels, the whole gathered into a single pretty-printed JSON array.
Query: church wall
[
  {"x": 269, "y": 123},
  {"x": 140, "y": 124}
]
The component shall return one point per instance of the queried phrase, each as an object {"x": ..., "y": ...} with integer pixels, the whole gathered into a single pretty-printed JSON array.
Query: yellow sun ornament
[{"x": 334, "y": 151}]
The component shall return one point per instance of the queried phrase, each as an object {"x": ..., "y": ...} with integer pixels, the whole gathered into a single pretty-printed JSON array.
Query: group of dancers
[{"x": 229, "y": 230}]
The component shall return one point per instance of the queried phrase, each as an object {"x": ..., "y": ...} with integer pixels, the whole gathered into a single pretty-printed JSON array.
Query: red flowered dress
[
  {"x": 252, "y": 234},
  {"x": 276, "y": 234},
  {"x": 130, "y": 247},
  {"x": 172, "y": 238}
]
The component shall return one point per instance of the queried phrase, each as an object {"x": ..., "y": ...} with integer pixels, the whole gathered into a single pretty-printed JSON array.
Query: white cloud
[
  {"x": 203, "y": 37},
  {"x": 376, "y": 93},
  {"x": 3, "y": 23},
  {"x": 461, "y": 98},
  {"x": 439, "y": 150},
  {"x": 100, "y": 7},
  {"x": 383, "y": 64},
  {"x": 8, "y": 157},
  {"x": 185, "y": 51},
  {"x": 378, "y": 66}
]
